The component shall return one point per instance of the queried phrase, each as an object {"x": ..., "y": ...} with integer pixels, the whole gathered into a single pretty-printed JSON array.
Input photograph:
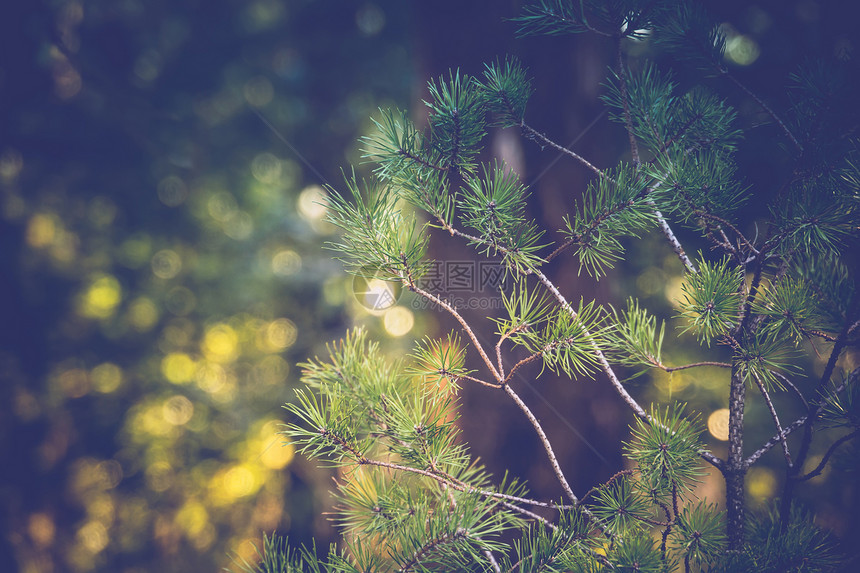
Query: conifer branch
[
  {"x": 527, "y": 360},
  {"x": 838, "y": 346},
  {"x": 774, "y": 440},
  {"x": 693, "y": 180}
]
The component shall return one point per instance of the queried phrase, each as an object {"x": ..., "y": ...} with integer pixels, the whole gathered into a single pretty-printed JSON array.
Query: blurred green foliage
[{"x": 160, "y": 189}]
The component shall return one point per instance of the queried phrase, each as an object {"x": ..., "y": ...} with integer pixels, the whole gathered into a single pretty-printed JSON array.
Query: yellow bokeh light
[
  {"x": 178, "y": 367},
  {"x": 211, "y": 377},
  {"x": 41, "y": 230},
  {"x": 11, "y": 164},
  {"x": 718, "y": 424},
  {"x": 74, "y": 382},
  {"x": 101, "y": 297},
  {"x": 159, "y": 476},
  {"x": 177, "y": 410},
  {"x": 312, "y": 203},
  {"x": 221, "y": 206},
  {"x": 93, "y": 536},
  {"x": 135, "y": 252},
  {"x": 142, "y": 314},
  {"x": 258, "y": 91},
  {"x": 220, "y": 344},
  {"x": 192, "y": 518},
  {"x": 277, "y": 454},
  {"x": 239, "y": 226},
  {"x": 270, "y": 370},
  {"x": 106, "y": 377},
  {"x": 742, "y": 50},
  {"x": 166, "y": 264},
  {"x": 266, "y": 168},
  {"x": 398, "y": 321},
  {"x": 42, "y": 529},
  {"x": 172, "y": 191},
  {"x": 280, "y": 334},
  {"x": 102, "y": 508},
  {"x": 670, "y": 383},
  {"x": 180, "y": 300},
  {"x": 67, "y": 80},
  {"x": 286, "y": 262},
  {"x": 238, "y": 481},
  {"x": 673, "y": 291},
  {"x": 761, "y": 483}
]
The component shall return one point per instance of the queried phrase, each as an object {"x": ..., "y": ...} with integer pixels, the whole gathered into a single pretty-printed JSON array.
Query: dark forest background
[{"x": 162, "y": 165}]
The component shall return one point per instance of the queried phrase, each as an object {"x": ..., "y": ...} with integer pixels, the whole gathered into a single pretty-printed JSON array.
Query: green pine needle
[
  {"x": 666, "y": 450},
  {"x": 711, "y": 299}
]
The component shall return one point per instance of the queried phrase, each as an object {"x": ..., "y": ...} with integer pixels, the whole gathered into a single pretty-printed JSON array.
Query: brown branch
[
  {"x": 520, "y": 364},
  {"x": 693, "y": 365},
  {"x": 479, "y": 381}
]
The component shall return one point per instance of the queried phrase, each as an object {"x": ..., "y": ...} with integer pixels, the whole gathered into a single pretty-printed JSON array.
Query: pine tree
[{"x": 411, "y": 496}]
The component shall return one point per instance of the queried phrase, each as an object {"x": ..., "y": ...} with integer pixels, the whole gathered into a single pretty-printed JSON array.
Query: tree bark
[{"x": 735, "y": 472}]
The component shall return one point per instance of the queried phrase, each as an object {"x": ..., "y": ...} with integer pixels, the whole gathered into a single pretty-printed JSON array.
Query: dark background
[{"x": 161, "y": 270}]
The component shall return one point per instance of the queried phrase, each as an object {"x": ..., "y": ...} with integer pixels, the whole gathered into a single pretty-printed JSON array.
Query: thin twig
[
  {"x": 693, "y": 365},
  {"x": 775, "y": 417},
  {"x": 673, "y": 240},
  {"x": 479, "y": 381},
  {"x": 527, "y": 360},
  {"x": 546, "y": 445},
  {"x": 628, "y": 119},
  {"x": 820, "y": 467},
  {"x": 495, "y": 564},
  {"x": 534, "y": 134},
  {"x": 852, "y": 379},
  {"x": 791, "y": 385},
  {"x": 766, "y": 108},
  {"x": 729, "y": 225}
]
